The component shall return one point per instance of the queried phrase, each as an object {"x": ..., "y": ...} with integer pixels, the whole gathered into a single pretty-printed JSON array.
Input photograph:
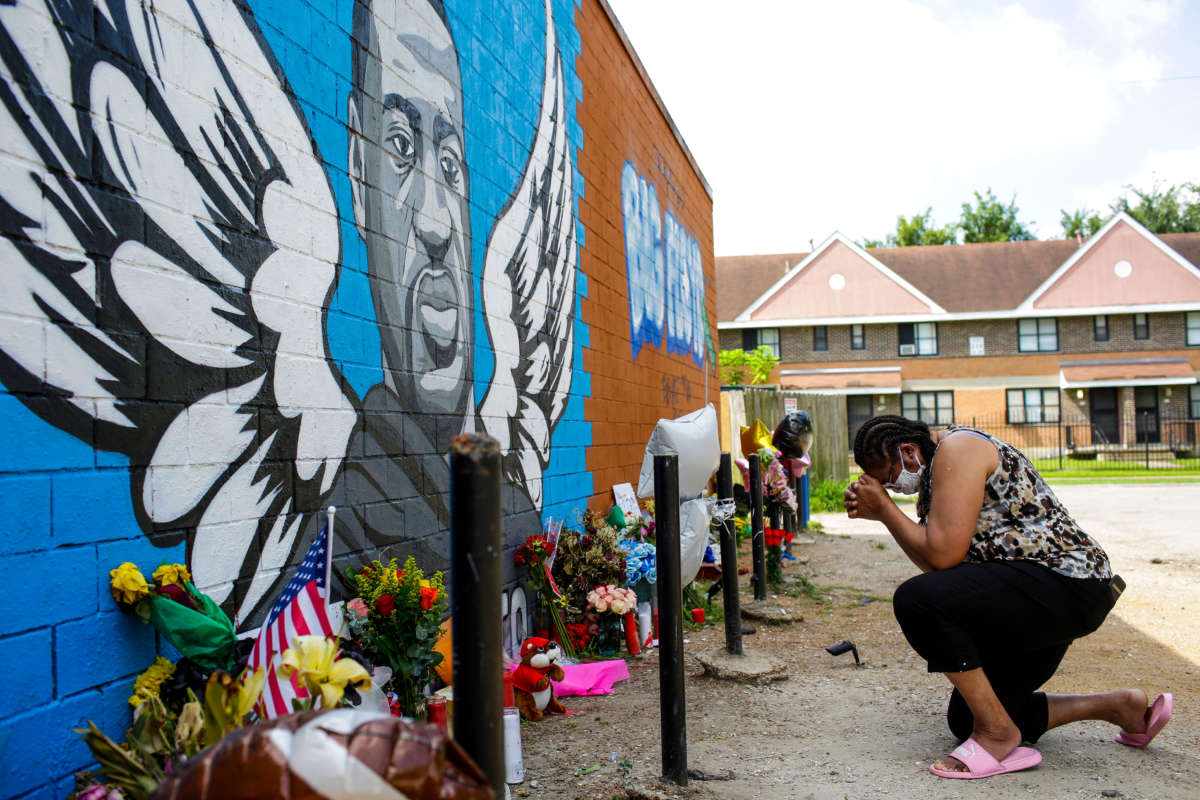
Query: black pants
[{"x": 1015, "y": 619}]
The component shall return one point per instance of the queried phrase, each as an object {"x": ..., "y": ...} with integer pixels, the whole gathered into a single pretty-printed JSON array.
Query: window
[
  {"x": 820, "y": 337},
  {"x": 1100, "y": 328},
  {"x": 1193, "y": 328},
  {"x": 1037, "y": 335},
  {"x": 858, "y": 335},
  {"x": 934, "y": 408},
  {"x": 918, "y": 338},
  {"x": 1141, "y": 326},
  {"x": 1194, "y": 402},
  {"x": 752, "y": 338},
  {"x": 1032, "y": 405}
]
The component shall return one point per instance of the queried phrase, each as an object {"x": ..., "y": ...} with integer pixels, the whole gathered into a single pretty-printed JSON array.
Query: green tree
[
  {"x": 1081, "y": 221},
  {"x": 915, "y": 230},
  {"x": 992, "y": 221},
  {"x": 1172, "y": 210},
  {"x": 737, "y": 364}
]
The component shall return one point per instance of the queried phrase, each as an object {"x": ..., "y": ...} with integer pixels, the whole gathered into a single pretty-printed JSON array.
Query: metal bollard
[
  {"x": 673, "y": 708},
  {"x": 757, "y": 543},
  {"x": 476, "y": 588},
  {"x": 729, "y": 563}
]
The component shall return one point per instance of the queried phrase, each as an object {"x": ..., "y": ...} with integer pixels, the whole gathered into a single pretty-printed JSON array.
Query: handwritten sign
[{"x": 626, "y": 500}]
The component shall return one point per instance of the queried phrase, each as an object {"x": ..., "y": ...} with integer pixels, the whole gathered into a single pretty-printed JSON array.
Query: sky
[{"x": 808, "y": 117}]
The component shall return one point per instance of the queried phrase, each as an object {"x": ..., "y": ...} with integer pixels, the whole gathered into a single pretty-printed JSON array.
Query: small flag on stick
[{"x": 300, "y": 611}]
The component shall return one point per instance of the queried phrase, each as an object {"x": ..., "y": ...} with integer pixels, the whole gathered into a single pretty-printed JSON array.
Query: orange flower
[{"x": 428, "y": 597}]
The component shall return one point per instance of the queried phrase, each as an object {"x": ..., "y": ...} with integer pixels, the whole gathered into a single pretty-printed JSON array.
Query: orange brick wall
[{"x": 623, "y": 123}]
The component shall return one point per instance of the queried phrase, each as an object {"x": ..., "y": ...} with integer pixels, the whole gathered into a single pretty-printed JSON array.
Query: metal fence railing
[{"x": 1146, "y": 440}]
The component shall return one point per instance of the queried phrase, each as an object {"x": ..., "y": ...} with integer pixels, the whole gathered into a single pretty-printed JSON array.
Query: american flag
[{"x": 299, "y": 611}]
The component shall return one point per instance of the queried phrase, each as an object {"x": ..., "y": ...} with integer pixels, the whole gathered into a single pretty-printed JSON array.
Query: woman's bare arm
[{"x": 960, "y": 472}]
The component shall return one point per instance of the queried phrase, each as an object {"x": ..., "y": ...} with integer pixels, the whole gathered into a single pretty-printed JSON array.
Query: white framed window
[
  {"x": 1194, "y": 402},
  {"x": 1100, "y": 328},
  {"x": 820, "y": 337},
  {"x": 769, "y": 338},
  {"x": 1037, "y": 335},
  {"x": 1193, "y": 329},
  {"x": 858, "y": 336},
  {"x": 918, "y": 338},
  {"x": 1026, "y": 406},
  {"x": 1141, "y": 326},
  {"x": 933, "y": 408}
]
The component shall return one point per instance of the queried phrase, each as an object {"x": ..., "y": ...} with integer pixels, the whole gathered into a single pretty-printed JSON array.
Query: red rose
[
  {"x": 428, "y": 595},
  {"x": 385, "y": 605}
]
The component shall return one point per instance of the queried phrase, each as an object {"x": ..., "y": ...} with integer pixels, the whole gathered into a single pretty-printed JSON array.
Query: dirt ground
[{"x": 834, "y": 730}]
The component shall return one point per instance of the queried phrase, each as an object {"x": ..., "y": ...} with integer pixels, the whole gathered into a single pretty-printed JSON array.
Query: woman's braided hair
[{"x": 878, "y": 440}]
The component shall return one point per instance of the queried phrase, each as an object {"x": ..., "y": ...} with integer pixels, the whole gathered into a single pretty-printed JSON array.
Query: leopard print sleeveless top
[{"x": 1022, "y": 520}]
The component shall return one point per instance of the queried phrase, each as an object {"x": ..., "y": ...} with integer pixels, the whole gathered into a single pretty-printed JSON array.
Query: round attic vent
[
  {"x": 837, "y": 281},
  {"x": 1123, "y": 269}
]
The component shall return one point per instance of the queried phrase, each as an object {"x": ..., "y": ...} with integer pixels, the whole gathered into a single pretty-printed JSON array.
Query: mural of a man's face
[{"x": 409, "y": 176}]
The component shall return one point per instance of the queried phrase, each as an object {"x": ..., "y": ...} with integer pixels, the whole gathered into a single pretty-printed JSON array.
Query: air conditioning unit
[{"x": 908, "y": 349}]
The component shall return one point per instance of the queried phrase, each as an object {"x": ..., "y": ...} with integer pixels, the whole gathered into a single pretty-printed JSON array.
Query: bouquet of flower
[
  {"x": 535, "y": 555},
  {"x": 185, "y": 616},
  {"x": 397, "y": 615},
  {"x": 640, "y": 563},
  {"x": 777, "y": 489},
  {"x": 612, "y": 599},
  {"x": 585, "y": 561}
]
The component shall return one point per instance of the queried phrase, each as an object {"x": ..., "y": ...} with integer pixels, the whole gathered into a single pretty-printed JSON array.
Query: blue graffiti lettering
[{"x": 665, "y": 273}]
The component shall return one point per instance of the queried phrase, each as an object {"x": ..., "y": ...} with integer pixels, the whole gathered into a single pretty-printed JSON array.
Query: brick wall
[{"x": 287, "y": 277}]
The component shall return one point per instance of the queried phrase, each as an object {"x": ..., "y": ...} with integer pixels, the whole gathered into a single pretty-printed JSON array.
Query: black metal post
[
  {"x": 757, "y": 543},
  {"x": 476, "y": 588},
  {"x": 729, "y": 562},
  {"x": 673, "y": 708}
]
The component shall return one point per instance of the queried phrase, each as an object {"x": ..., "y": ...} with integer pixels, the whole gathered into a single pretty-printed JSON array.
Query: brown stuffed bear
[{"x": 532, "y": 690}]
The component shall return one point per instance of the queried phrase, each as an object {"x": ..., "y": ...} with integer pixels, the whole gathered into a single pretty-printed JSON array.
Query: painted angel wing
[
  {"x": 529, "y": 293},
  {"x": 169, "y": 250}
]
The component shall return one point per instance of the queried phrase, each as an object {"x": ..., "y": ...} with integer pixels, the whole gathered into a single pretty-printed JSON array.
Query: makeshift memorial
[
  {"x": 404, "y": 611},
  {"x": 536, "y": 555},
  {"x": 586, "y": 560},
  {"x": 532, "y": 690},
  {"x": 182, "y": 614},
  {"x": 612, "y": 604}
]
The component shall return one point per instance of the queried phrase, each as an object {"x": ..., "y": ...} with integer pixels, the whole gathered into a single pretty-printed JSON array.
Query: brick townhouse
[{"x": 1100, "y": 336}]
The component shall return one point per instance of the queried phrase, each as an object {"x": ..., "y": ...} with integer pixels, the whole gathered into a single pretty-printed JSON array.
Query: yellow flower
[
  {"x": 128, "y": 584},
  {"x": 149, "y": 682},
  {"x": 249, "y": 689},
  {"x": 315, "y": 659},
  {"x": 172, "y": 574}
]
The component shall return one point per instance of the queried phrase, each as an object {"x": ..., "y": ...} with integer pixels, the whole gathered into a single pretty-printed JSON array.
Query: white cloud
[
  {"x": 1160, "y": 170},
  {"x": 813, "y": 117},
  {"x": 1132, "y": 19}
]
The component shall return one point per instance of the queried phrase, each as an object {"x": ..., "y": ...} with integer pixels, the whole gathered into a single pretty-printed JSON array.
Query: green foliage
[
  {"x": 1175, "y": 209},
  {"x": 828, "y": 496},
  {"x": 992, "y": 221},
  {"x": 916, "y": 230},
  {"x": 1082, "y": 221},
  {"x": 737, "y": 364}
]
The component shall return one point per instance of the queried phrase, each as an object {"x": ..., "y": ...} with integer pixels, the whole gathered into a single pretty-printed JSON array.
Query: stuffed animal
[{"x": 532, "y": 690}]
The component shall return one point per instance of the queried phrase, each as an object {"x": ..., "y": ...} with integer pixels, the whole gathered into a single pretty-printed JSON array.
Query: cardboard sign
[{"x": 626, "y": 500}]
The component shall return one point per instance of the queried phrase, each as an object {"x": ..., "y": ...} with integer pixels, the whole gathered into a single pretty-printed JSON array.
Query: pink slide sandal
[
  {"x": 981, "y": 764},
  {"x": 1157, "y": 717}
]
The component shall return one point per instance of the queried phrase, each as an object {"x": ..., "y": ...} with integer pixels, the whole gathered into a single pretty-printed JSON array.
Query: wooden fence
[{"x": 829, "y": 453}]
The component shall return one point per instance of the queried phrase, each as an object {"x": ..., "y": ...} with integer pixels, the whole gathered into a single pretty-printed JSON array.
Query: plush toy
[{"x": 532, "y": 690}]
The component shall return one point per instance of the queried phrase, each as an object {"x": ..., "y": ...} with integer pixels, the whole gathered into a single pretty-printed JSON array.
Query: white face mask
[{"x": 907, "y": 482}]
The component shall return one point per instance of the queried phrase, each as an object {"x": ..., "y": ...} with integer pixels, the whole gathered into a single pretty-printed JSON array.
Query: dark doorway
[
  {"x": 859, "y": 409},
  {"x": 1145, "y": 404},
  {"x": 1105, "y": 416}
]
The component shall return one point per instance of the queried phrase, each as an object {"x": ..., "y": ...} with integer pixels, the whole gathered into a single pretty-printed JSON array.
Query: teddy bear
[{"x": 532, "y": 690}]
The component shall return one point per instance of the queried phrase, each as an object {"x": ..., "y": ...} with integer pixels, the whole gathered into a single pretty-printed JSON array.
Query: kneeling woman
[{"x": 1009, "y": 582}]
